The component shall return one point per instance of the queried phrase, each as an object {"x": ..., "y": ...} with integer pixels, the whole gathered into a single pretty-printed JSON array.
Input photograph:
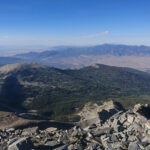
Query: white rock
[
  {"x": 21, "y": 144},
  {"x": 130, "y": 118},
  {"x": 51, "y": 129},
  {"x": 147, "y": 124}
]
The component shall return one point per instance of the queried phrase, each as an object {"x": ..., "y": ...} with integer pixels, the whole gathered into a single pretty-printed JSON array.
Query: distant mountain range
[
  {"x": 76, "y": 57},
  {"x": 106, "y": 49},
  {"x": 57, "y": 93}
]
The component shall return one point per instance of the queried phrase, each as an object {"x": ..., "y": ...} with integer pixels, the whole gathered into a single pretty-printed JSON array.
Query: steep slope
[
  {"x": 56, "y": 93},
  {"x": 120, "y": 80}
]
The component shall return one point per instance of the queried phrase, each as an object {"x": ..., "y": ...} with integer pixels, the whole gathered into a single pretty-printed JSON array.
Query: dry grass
[
  {"x": 137, "y": 62},
  {"x": 10, "y": 120}
]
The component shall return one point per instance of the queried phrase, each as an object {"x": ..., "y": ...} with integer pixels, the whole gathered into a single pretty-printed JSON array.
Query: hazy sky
[{"x": 74, "y": 22}]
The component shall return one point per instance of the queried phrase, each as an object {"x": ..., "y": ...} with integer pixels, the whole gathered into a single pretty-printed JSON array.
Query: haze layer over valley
[{"x": 137, "y": 57}]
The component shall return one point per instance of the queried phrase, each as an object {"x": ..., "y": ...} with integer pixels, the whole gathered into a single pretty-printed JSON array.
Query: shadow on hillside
[
  {"x": 46, "y": 124},
  {"x": 145, "y": 111},
  {"x": 104, "y": 115},
  {"x": 11, "y": 95}
]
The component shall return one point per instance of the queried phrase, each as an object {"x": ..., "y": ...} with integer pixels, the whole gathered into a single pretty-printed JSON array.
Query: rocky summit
[{"x": 122, "y": 130}]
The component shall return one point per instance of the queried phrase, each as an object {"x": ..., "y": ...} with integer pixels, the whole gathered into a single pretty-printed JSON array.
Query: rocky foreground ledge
[{"x": 122, "y": 130}]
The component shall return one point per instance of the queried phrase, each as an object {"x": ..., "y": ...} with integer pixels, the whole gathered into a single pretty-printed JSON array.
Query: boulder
[
  {"x": 64, "y": 147},
  {"x": 52, "y": 143},
  {"x": 134, "y": 146},
  {"x": 51, "y": 129},
  {"x": 21, "y": 144},
  {"x": 102, "y": 131},
  {"x": 130, "y": 118},
  {"x": 30, "y": 131}
]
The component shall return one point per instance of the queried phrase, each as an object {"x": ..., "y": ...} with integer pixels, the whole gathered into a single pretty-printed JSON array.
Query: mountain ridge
[
  {"x": 53, "y": 91},
  {"x": 105, "y": 49},
  {"x": 137, "y": 57}
]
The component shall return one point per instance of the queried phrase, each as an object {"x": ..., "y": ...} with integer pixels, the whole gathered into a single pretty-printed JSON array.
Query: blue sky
[{"x": 74, "y": 22}]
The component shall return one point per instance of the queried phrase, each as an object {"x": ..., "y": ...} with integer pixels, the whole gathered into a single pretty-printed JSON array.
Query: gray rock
[
  {"x": 12, "y": 141},
  {"x": 51, "y": 129},
  {"x": 132, "y": 138},
  {"x": 21, "y": 144},
  {"x": 133, "y": 146},
  {"x": 30, "y": 131},
  {"x": 117, "y": 115},
  {"x": 124, "y": 130},
  {"x": 137, "y": 127},
  {"x": 64, "y": 147},
  {"x": 77, "y": 132},
  {"x": 113, "y": 138},
  {"x": 118, "y": 128},
  {"x": 78, "y": 146},
  {"x": 130, "y": 118},
  {"x": 148, "y": 147},
  {"x": 70, "y": 147},
  {"x": 102, "y": 131},
  {"x": 92, "y": 146},
  {"x": 10, "y": 130},
  {"x": 146, "y": 139},
  {"x": 123, "y": 118},
  {"x": 92, "y": 126},
  {"x": 116, "y": 122},
  {"x": 52, "y": 143}
]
